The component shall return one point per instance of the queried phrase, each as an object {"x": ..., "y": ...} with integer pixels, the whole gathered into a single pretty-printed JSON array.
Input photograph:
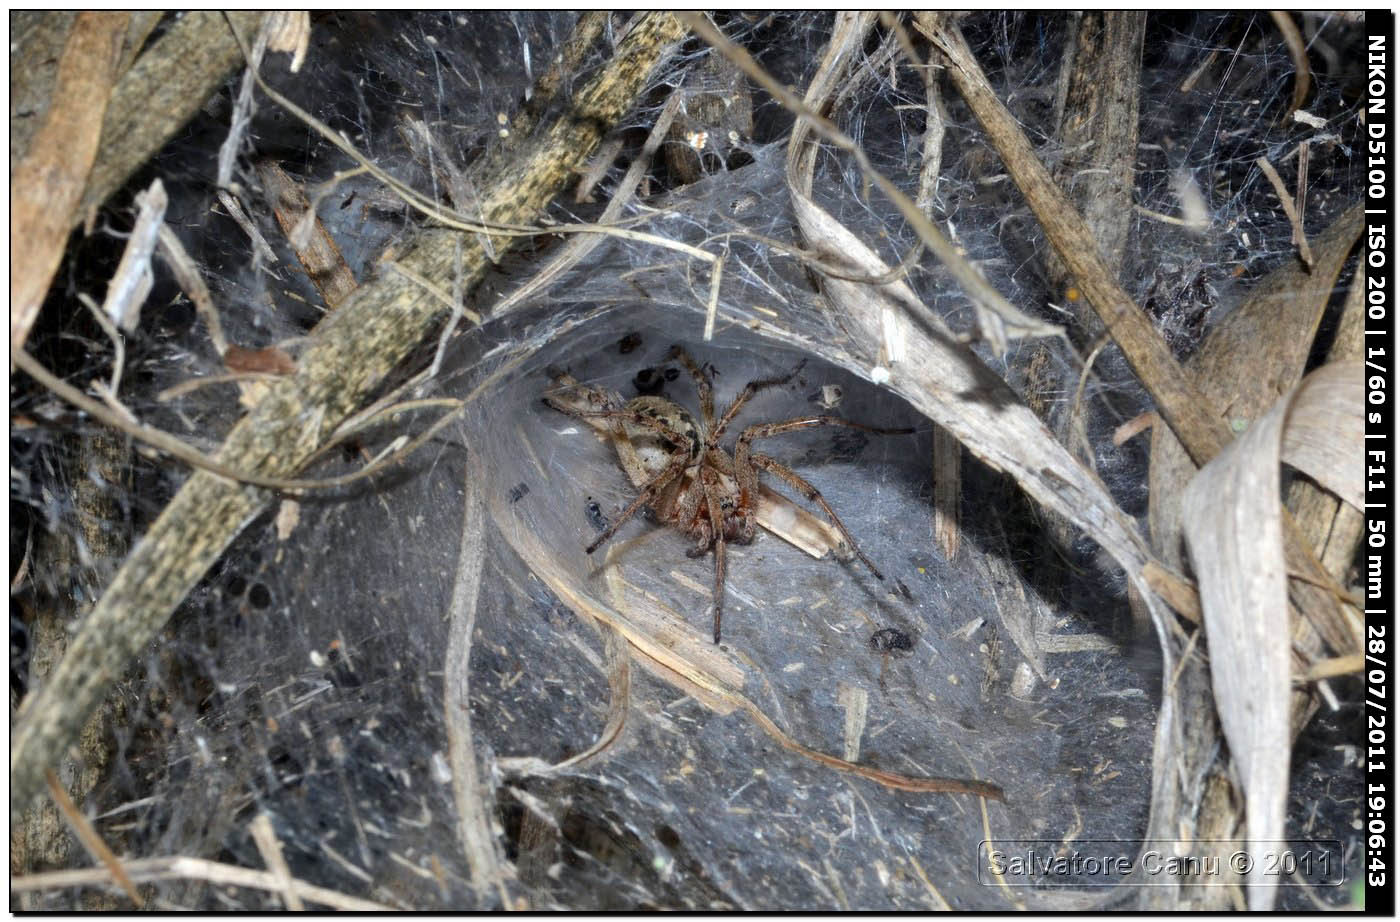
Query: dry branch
[{"x": 161, "y": 92}]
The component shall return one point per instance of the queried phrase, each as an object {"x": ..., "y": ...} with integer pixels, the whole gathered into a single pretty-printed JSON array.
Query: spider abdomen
[{"x": 654, "y": 450}]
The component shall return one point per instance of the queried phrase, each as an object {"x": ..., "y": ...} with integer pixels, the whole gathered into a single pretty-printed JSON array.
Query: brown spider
[{"x": 686, "y": 478}]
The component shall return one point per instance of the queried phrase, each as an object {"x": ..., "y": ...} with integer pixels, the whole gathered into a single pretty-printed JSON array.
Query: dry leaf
[
  {"x": 1325, "y": 432},
  {"x": 269, "y": 360},
  {"x": 1234, "y": 534}
]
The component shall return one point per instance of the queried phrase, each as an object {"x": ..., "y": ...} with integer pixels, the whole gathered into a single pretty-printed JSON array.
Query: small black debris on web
[
  {"x": 595, "y": 515},
  {"x": 891, "y": 640}
]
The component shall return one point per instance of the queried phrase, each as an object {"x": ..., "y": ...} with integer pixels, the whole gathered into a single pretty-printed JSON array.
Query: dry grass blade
[
  {"x": 1234, "y": 531},
  {"x": 1251, "y": 358},
  {"x": 243, "y": 106},
  {"x": 90, "y": 839},
  {"x": 931, "y": 165},
  {"x": 1009, "y": 320},
  {"x": 240, "y": 217},
  {"x": 1300, "y": 239},
  {"x": 946, "y": 382},
  {"x": 1302, "y": 79},
  {"x": 132, "y": 281},
  {"x": 1332, "y": 527},
  {"x": 1178, "y": 399},
  {"x": 192, "y": 284},
  {"x": 1335, "y": 666},
  {"x": 947, "y": 492},
  {"x": 316, "y": 250},
  {"x": 485, "y": 863},
  {"x": 1325, "y": 430},
  {"x": 271, "y": 850},
  {"x": 1175, "y": 590},
  {"x": 182, "y": 868},
  {"x": 47, "y": 186}
]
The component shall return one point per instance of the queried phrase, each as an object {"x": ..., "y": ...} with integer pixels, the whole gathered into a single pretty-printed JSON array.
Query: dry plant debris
[{"x": 465, "y": 300}]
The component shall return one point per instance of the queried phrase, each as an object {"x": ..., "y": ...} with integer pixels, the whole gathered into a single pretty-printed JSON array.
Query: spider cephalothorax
[{"x": 685, "y": 477}]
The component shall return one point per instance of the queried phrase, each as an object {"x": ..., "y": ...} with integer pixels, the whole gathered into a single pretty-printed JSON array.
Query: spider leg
[
  {"x": 594, "y": 397},
  {"x": 764, "y": 430},
  {"x": 811, "y": 493},
  {"x": 659, "y": 426},
  {"x": 710, "y": 483},
  {"x": 703, "y": 387},
  {"x": 688, "y": 518},
  {"x": 753, "y": 387},
  {"x": 654, "y": 486},
  {"x": 718, "y": 458},
  {"x": 747, "y": 477},
  {"x": 745, "y": 461}
]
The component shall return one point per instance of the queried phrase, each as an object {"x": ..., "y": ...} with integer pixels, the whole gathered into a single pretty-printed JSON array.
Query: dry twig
[{"x": 1300, "y": 239}]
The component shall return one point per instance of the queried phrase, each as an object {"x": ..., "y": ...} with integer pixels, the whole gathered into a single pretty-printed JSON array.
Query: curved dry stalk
[{"x": 1302, "y": 78}]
